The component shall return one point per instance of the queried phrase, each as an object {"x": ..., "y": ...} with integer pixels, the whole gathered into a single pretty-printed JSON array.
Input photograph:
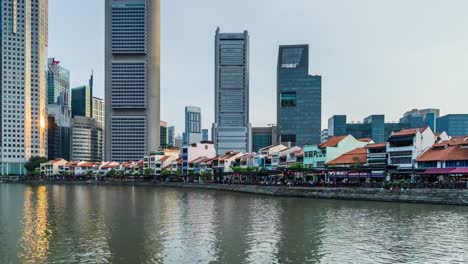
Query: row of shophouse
[{"x": 407, "y": 152}]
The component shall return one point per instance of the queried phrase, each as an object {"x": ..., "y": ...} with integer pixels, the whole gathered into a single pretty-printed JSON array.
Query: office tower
[
  {"x": 164, "y": 134},
  {"x": 58, "y": 81},
  {"x": 132, "y": 81},
  {"x": 59, "y": 126},
  {"x": 299, "y": 97},
  {"x": 171, "y": 136},
  {"x": 87, "y": 139},
  {"x": 232, "y": 130},
  {"x": 205, "y": 135},
  {"x": 264, "y": 137},
  {"x": 421, "y": 118},
  {"x": 178, "y": 142},
  {"x": 98, "y": 111},
  {"x": 455, "y": 125},
  {"x": 81, "y": 101},
  {"x": 23, "y": 109},
  {"x": 192, "y": 125},
  {"x": 373, "y": 126},
  {"x": 337, "y": 126}
]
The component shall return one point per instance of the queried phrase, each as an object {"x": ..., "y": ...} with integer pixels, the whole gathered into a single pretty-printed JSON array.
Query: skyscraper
[
  {"x": 98, "y": 110},
  {"x": 164, "y": 134},
  {"x": 87, "y": 139},
  {"x": 132, "y": 82},
  {"x": 81, "y": 101},
  {"x": 171, "y": 136},
  {"x": 23, "y": 110},
  {"x": 232, "y": 130},
  {"x": 205, "y": 135},
  {"x": 193, "y": 133},
  {"x": 299, "y": 97},
  {"x": 59, "y": 110},
  {"x": 58, "y": 81}
]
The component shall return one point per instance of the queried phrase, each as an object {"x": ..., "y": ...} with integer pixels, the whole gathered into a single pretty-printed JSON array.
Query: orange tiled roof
[
  {"x": 332, "y": 142},
  {"x": 365, "y": 140},
  {"x": 377, "y": 146},
  {"x": 164, "y": 158},
  {"x": 86, "y": 165},
  {"x": 445, "y": 153},
  {"x": 408, "y": 132},
  {"x": 349, "y": 157},
  {"x": 198, "y": 160},
  {"x": 56, "y": 160}
]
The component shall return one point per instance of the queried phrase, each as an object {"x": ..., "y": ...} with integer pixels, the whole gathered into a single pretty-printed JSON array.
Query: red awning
[
  {"x": 460, "y": 171},
  {"x": 439, "y": 171}
]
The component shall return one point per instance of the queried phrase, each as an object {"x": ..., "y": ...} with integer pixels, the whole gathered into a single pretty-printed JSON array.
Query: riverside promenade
[{"x": 422, "y": 196}]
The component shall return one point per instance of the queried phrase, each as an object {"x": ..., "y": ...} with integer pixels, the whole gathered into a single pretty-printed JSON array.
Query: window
[{"x": 288, "y": 99}]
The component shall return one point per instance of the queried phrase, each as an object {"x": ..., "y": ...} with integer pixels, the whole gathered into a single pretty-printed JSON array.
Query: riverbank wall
[{"x": 423, "y": 196}]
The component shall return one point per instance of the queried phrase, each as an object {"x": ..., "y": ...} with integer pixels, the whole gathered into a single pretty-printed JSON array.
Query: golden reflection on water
[{"x": 35, "y": 238}]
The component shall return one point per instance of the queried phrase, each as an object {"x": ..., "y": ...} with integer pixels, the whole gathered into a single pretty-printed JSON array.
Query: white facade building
[
  {"x": 23, "y": 109},
  {"x": 195, "y": 151}
]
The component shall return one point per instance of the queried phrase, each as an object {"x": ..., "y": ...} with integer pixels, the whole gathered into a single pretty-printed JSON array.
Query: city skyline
[{"x": 355, "y": 57}]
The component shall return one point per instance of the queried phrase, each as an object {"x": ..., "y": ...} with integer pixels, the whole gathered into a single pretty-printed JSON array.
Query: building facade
[
  {"x": 205, "y": 135},
  {"x": 99, "y": 111},
  {"x": 58, "y": 81},
  {"x": 373, "y": 127},
  {"x": 81, "y": 101},
  {"x": 23, "y": 110},
  {"x": 263, "y": 137},
  {"x": 171, "y": 135},
  {"x": 421, "y": 118},
  {"x": 178, "y": 142},
  {"x": 87, "y": 139},
  {"x": 132, "y": 78},
  {"x": 454, "y": 125},
  {"x": 232, "y": 129},
  {"x": 164, "y": 134},
  {"x": 59, "y": 129},
  {"x": 193, "y": 130},
  {"x": 299, "y": 98}
]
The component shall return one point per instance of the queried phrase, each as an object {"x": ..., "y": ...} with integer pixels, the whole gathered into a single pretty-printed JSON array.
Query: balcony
[{"x": 401, "y": 149}]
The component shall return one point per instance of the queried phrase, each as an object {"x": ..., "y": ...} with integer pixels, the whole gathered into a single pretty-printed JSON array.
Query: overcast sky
[{"x": 375, "y": 56}]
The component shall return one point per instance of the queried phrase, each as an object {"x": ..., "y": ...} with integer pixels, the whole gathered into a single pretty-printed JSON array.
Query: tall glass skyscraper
[
  {"x": 23, "y": 110},
  {"x": 299, "y": 98},
  {"x": 193, "y": 132},
  {"x": 132, "y": 82},
  {"x": 232, "y": 129},
  {"x": 81, "y": 101},
  {"x": 58, "y": 81}
]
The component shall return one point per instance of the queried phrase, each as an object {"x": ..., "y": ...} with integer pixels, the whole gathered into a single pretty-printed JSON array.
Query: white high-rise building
[
  {"x": 132, "y": 82},
  {"x": 23, "y": 106},
  {"x": 232, "y": 130}
]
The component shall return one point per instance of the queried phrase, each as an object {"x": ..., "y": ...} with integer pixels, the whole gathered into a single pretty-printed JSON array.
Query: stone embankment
[{"x": 426, "y": 196}]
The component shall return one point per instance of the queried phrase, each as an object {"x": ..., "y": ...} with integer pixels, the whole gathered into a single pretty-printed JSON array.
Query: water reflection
[
  {"x": 36, "y": 233},
  {"x": 91, "y": 224}
]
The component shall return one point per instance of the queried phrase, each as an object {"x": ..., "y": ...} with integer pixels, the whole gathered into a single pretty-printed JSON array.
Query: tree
[
  {"x": 237, "y": 169},
  {"x": 166, "y": 172},
  {"x": 296, "y": 165},
  {"x": 111, "y": 173},
  {"x": 34, "y": 163},
  {"x": 148, "y": 172}
]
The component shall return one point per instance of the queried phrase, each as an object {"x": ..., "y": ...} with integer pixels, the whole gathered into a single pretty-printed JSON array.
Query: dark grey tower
[{"x": 299, "y": 98}]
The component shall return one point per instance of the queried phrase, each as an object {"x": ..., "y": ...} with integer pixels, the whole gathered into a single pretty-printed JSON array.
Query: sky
[{"x": 374, "y": 56}]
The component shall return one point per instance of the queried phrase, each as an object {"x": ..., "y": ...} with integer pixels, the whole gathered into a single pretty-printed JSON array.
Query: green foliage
[
  {"x": 148, "y": 172},
  {"x": 296, "y": 166},
  {"x": 111, "y": 173},
  {"x": 166, "y": 172},
  {"x": 206, "y": 175},
  {"x": 34, "y": 163},
  {"x": 237, "y": 169}
]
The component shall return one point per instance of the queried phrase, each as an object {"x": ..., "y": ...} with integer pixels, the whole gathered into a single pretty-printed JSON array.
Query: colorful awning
[
  {"x": 438, "y": 171},
  {"x": 460, "y": 171}
]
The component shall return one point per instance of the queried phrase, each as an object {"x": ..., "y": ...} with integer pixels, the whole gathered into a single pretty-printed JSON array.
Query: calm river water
[{"x": 114, "y": 224}]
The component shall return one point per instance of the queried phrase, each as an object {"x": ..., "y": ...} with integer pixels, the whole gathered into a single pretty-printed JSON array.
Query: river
[{"x": 121, "y": 224}]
